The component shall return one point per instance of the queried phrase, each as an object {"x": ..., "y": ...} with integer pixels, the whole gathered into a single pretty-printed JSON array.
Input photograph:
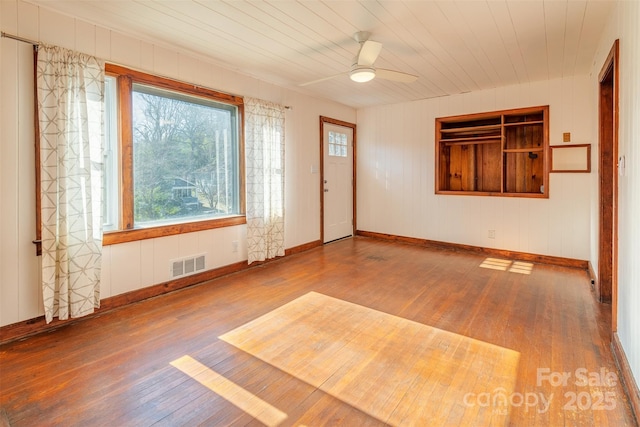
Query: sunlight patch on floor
[
  {"x": 230, "y": 391},
  {"x": 496, "y": 264},
  {"x": 394, "y": 369},
  {"x": 520, "y": 267}
]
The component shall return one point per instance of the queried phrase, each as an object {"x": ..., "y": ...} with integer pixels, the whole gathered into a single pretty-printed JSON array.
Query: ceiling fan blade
[
  {"x": 396, "y": 76},
  {"x": 322, "y": 79},
  {"x": 369, "y": 52}
]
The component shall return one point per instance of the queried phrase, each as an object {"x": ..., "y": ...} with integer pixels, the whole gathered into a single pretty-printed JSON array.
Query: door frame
[
  {"x": 608, "y": 110},
  {"x": 323, "y": 120}
]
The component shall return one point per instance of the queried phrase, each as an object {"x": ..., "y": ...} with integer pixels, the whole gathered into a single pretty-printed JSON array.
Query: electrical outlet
[
  {"x": 492, "y": 234},
  {"x": 234, "y": 245}
]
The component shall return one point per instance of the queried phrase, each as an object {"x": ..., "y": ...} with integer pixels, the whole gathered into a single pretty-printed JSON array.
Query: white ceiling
[{"x": 453, "y": 46}]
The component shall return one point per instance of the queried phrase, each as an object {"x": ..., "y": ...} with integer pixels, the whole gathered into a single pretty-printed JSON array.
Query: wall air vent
[
  {"x": 200, "y": 263},
  {"x": 186, "y": 266},
  {"x": 189, "y": 266},
  {"x": 177, "y": 268}
]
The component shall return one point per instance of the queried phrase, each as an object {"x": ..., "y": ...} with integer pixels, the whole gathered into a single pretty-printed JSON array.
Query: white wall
[
  {"x": 139, "y": 264},
  {"x": 395, "y": 166},
  {"x": 396, "y": 190},
  {"x": 624, "y": 25}
]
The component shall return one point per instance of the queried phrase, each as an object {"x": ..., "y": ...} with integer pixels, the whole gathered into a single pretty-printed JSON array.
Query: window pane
[
  {"x": 185, "y": 158},
  {"x": 337, "y": 144},
  {"x": 110, "y": 157}
]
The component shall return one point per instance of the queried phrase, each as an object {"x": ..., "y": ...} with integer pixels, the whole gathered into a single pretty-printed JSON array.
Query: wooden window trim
[
  {"x": 125, "y": 161},
  {"x": 127, "y": 233},
  {"x": 492, "y": 139},
  {"x": 132, "y": 235}
]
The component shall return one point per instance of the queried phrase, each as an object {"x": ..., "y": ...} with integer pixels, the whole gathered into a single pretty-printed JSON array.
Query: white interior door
[{"x": 337, "y": 148}]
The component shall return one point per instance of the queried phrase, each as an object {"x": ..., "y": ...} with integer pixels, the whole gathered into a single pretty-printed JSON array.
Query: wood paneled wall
[
  {"x": 18, "y": 263},
  {"x": 135, "y": 265},
  {"x": 396, "y": 191},
  {"x": 624, "y": 24},
  {"x": 396, "y": 161}
]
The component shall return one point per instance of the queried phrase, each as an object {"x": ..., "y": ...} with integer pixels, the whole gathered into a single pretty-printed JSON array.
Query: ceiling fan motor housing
[{"x": 362, "y": 74}]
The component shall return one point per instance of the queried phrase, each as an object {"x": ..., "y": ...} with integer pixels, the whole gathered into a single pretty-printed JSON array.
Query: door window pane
[{"x": 337, "y": 144}]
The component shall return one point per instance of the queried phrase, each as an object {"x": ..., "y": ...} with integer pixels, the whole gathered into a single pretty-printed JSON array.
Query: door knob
[{"x": 326, "y": 190}]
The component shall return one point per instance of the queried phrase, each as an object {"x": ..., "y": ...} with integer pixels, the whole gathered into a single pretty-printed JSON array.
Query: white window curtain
[
  {"x": 264, "y": 148},
  {"x": 70, "y": 90}
]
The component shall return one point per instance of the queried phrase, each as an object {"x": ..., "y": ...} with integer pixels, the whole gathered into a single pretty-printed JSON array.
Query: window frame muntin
[{"x": 125, "y": 231}]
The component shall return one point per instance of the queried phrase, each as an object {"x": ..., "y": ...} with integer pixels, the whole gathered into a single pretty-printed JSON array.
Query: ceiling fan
[{"x": 363, "y": 70}]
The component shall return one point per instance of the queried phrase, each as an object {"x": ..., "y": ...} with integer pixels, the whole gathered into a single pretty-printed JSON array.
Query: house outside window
[{"x": 180, "y": 154}]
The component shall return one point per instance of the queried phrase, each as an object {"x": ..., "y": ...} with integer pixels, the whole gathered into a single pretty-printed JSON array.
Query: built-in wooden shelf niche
[{"x": 500, "y": 153}]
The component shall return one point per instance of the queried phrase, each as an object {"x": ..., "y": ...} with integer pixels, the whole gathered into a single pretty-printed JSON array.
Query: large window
[{"x": 179, "y": 151}]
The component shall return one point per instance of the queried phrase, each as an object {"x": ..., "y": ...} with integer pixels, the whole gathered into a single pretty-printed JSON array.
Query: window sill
[
  {"x": 124, "y": 236},
  {"x": 494, "y": 194}
]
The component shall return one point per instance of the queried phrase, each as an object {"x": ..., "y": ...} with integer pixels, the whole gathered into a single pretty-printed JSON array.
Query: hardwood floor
[{"x": 192, "y": 357}]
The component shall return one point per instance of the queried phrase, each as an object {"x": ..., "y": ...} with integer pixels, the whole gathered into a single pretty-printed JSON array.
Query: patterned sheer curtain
[
  {"x": 70, "y": 88},
  {"x": 264, "y": 147}
]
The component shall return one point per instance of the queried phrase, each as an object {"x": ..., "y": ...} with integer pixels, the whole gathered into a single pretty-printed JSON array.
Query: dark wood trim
[
  {"x": 608, "y": 112},
  {"x": 36, "y": 124},
  {"x": 491, "y": 114},
  {"x": 547, "y": 161},
  {"x": 437, "y": 156},
  {"x": 291, "y": 251},
  {"x": 172, "y": 84},
  {"x": 494, "y": 193},
  {"x": 115, "y": 237},
  {"x": 355, "y": 180},
  {"x": 170, "y": 286},
  {"x": 37, "y": 325},
  {"x": 523, "y": 256},
  {"x": 242, "y": 187},
  {"x": 587, "y": 169},
  {"x": 612, "y": 60},
  {"x": 616, "y": 124},
  {"x": 303, "y": 248},
  {"x": 628, "y": 381},
  {"x": 125, "y": 140},
  {"x": 321, "y": 180},
  {"x": 593, "y": 276},
  {"x": 337, "y": 122}
]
